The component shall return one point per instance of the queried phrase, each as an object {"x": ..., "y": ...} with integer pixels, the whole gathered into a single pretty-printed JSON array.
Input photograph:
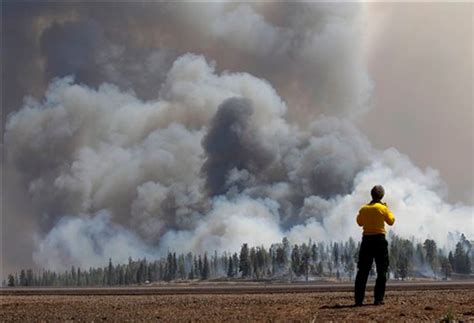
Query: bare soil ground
[{"x": 409, "y": 304}]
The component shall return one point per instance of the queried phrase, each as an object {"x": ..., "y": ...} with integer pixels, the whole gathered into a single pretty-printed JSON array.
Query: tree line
[{"x": 281, "y": 261}]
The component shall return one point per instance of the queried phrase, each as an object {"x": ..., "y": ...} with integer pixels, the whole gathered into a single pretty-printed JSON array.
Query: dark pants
[{"x": 372, "y": 247}]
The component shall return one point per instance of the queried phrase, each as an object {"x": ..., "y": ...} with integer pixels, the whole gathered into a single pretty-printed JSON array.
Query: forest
[{"x": 281, "y": 261}]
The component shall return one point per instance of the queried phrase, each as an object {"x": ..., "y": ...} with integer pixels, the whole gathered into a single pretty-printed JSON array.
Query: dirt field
[{"x": 409, "y": 303}]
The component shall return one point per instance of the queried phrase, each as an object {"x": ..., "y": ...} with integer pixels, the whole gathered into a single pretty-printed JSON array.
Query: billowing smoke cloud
[
  {"x": 316, "y": 47},
  {"x": 85, "y": 241},
  {"x": 232, "y": 145},
  {"x": 248, "y": 140}
]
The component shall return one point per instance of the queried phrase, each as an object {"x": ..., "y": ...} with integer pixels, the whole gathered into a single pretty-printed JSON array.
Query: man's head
[{"x": 377, "y": 192}]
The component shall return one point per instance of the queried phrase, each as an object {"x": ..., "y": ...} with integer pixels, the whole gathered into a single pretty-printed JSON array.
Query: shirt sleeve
[
  {"x": 389, "y": 217},
  {"x": 359, "y": 219}
]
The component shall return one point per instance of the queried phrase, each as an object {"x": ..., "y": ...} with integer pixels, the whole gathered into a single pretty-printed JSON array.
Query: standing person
[{"x": 372, "y": 218}]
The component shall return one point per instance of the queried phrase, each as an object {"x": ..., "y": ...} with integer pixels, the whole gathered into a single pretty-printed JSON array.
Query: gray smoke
[
  {"x": 231, "y": 144},
  {"x": 316, "y": 47},
  {"x": 249, "y": 138},
  {"x": 70, "y": 48}
]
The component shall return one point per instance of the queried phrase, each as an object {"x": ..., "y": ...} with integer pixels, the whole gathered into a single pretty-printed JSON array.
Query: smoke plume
[
  {"x": 198, "y": 132},
  {"x": 232, "y": 145}
]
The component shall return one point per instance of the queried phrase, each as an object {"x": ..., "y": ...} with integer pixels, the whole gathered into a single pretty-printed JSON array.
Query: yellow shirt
[{"x": 372, "y": 217}]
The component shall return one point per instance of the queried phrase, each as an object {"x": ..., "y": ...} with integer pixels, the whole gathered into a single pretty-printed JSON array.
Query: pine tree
[
  {"x": 263, "y": 261},
  {"x": 281, "y": 259},
  {"x": 244, "y": 263},
  {"x": 420, "y": 253},
  {"x": 431, "y": 254},
  {"x": 446, "y": 267},
  {"x": 451, "y": 259},
  {"x": 109, "y": 273},
  {"x": 460, "y": 259},
  {"x": 174, "y": 267},
  {"x": 29, "y": 277},
  {"x": 296, "y": 260},
  {"x": 467, "y": 264},
  {"x": 79, "y": 274},
  {"x": 23, "y": 278},
  {"x": 253, "y": 262},
  {"x": 140, "y": 273},
  {"x": 215, "y": 263},
  {"x": 230, "y": 270},
  {"x": 329, "y": 263},
  {"x": 205, "y": 268},
  {"x": 314, "y": 253},
  {"x": 349, "y": 268},
  {"x": 235, "y": 261},
  {"x": 73, "y": 276},
  {"x": 121, "y": 279},
  {"x": 200, "y": 267},
  {"x": 11, "y": 281},
  {"x": 169, "y": 267},
  {"x": 320, "y": 269},
  {"x": 305, "y": 259},
  {"x": 405, "y": 255},
  {"x": 181, "y": 267},
  {"x": 149, "y": 272},
  {"x": 335, "y": 254},
  {"x": 197, "y": 273}
]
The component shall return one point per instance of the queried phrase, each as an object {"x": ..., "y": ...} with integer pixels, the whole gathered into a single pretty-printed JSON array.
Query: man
[{"x": 372, "y": 217}]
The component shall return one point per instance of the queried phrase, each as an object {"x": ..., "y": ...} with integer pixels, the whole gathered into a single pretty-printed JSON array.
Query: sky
[
  {"x": 129, "y": 129},
  {"x": 429, "y": 114}
]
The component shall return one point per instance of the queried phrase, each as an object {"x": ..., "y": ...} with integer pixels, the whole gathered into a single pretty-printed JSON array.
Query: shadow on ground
[{"x": 336, "y": 306}]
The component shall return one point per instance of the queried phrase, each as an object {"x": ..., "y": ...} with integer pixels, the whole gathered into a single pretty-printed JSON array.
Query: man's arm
[
  {"x": 389, "y": 217},
  {"x": 359, "y": 219}
]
